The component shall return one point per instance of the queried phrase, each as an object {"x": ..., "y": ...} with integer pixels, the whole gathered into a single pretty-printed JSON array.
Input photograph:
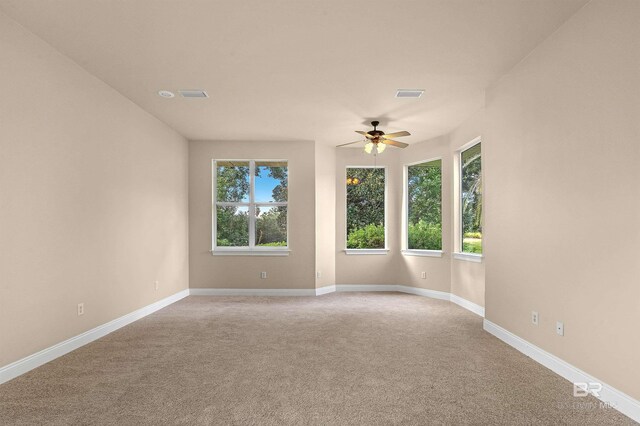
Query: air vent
[
  {"x": 193, "y": 93},
  {"x": 409, "y": 93}
]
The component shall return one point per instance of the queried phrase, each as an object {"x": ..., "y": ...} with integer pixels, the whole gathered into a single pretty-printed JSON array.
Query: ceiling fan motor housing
[{"x": 375, "y": 133}]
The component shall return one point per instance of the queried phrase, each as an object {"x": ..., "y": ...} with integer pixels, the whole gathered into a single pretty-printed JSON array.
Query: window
[
  {"x": 366, "y": 208},
  {"x": 471, "y": 199},
  {"x": 424, "y": 206},
  {"x": 250, "y": 199}
]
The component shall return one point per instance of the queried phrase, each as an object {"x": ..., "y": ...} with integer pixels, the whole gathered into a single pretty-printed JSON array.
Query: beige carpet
[{"x": 349, "y": 358}]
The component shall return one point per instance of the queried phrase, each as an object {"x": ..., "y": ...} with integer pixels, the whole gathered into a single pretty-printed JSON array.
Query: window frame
[
  {"x": 251, "y": 205},
  {"x": 459, "y": 254},
  {"x": 377, "y": 251},
  {"x": 405, "y": 222}
]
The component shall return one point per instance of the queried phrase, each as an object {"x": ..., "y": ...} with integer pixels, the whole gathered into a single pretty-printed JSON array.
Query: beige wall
[
  {"x": 467, "y": 278},
  {"x": 294, "y": 271},
  {"x": 562, "y": 156},
  {"x": 93, "y": 200},
  {"x": 325, "y": 157}
]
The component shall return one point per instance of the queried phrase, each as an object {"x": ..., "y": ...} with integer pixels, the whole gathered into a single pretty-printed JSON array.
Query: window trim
[
  {"x": 405, "y": 214},
  {"x": 251, "y": 249},
  {"x": 458, "y": 253},
  {"x": 368, "y": 251},
  {"x": 423, "y": 252},
  {"x": 469, "y": 257}
]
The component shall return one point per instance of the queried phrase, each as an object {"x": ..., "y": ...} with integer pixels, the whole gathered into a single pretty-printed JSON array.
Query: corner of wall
[{"x": 325, "y": 172}]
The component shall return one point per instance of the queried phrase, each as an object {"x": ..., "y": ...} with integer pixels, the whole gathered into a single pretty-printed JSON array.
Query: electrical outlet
[
  {"x": 80, "y": 309},
  {"x": 560, "y": 328},
  {"x": 263, "y": 275},
  {"x": 157, "y": 285},
  {"x": 319, "y": 274},
  {"x": 534, "y": 317},
  {"x": 423, "y": 275}
]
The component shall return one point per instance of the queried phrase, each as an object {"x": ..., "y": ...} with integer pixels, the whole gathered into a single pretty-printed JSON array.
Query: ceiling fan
[{"x": 376, "y": 140}]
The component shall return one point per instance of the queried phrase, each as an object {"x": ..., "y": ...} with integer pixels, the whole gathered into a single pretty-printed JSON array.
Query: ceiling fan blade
[
  {"x": 350, "y": 143},
  {"x": 395, "y": 143},
  {"x": 396, "y": 134},
  {"x": 368, "y": 136}
]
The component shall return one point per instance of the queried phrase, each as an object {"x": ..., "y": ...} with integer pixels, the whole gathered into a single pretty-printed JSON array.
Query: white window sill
[
  {"x": 424, "y": 253},
  {"x": 469, "y": 257},
  {"x": 366, "y": 251},
  {"x": 241, "y": 252}
]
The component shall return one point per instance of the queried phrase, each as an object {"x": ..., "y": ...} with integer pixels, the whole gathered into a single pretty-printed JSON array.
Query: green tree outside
[
  {"x": 471, "y": 200},
  {"x": 233, "y": 185},
  {"x": 425, "y": 206},
  {"x": 365, "y": 208}
]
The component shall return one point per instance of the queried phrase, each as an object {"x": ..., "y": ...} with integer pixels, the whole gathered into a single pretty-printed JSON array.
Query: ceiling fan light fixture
[
  {"x": 374, "y": 148},
  {"x": 368, "y": 147}
]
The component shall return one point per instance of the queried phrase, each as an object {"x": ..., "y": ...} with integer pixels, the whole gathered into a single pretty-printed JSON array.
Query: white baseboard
[
  {"x": 366, "y": 287},
  {"x": 467, "y": 304},
  {"x": 615, "y": 398},
  {"x": 30, "y": 362},
  {"x": 252, "y": 292},
  {"x": 325, "y": 290},
  {"x": 434, "y": 294}
]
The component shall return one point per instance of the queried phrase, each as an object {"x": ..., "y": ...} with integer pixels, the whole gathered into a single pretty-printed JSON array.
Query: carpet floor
[{"x": 338, "y": 359}]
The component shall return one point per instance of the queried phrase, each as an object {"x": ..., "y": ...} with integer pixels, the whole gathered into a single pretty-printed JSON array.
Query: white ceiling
[{"x": 298, "y": 69}]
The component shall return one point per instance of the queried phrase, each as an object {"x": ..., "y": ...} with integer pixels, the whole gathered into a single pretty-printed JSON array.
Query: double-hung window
[
  {"x": 471, "y": 200},
  {"x": 365, "y": 187},
  {"x": 250, "y": 199},
  {"x": 424, "y": 208}
]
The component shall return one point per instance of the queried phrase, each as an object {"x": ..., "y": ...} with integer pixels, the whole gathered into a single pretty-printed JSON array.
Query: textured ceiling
[{"x": 299, "y": 69}]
